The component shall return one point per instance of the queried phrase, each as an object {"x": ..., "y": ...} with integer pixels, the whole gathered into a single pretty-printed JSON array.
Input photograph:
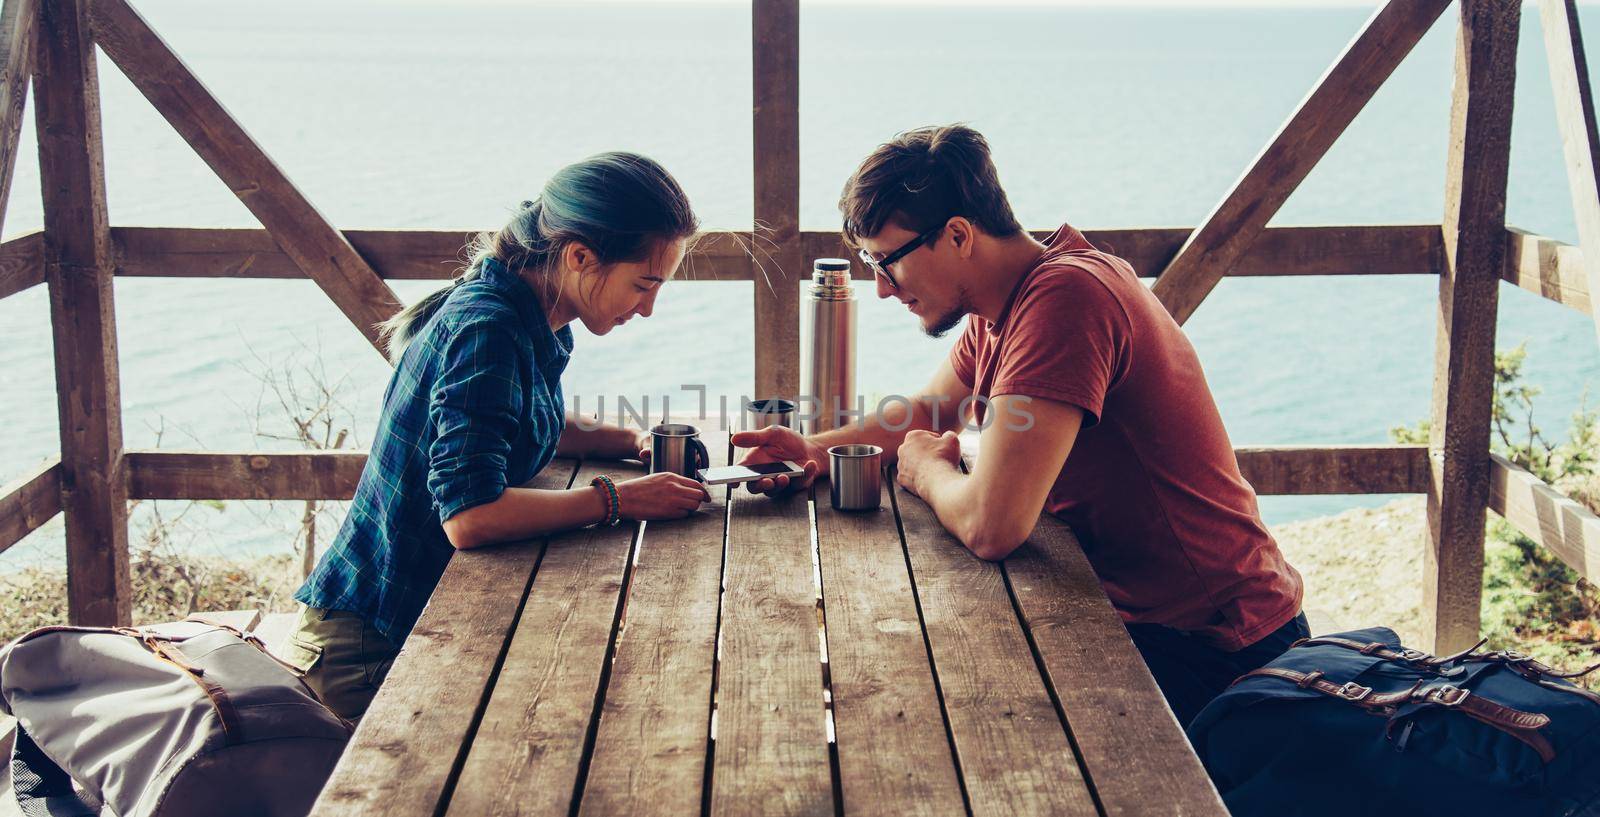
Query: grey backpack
[{"x": 187, "y": 719}]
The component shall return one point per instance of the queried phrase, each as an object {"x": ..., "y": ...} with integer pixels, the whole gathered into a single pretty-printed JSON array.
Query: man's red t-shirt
[{"x": 1151, "y": 488}]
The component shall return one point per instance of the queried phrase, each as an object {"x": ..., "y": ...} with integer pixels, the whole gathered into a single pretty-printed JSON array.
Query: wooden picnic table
[{"x": 768, "y": 656}]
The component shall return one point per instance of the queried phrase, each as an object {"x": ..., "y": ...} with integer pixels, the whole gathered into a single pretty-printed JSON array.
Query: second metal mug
[
  {"x": 676, "y": 447},
  {"x": 855, "y": 476},
  {"x": 772, "y": 411}
]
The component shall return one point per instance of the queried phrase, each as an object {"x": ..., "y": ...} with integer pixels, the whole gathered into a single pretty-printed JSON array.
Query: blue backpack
[{"x": 1355, "y": 724}]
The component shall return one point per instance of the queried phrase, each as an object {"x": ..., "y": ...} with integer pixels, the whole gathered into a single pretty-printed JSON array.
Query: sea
[{"x": 446, "y": 115}]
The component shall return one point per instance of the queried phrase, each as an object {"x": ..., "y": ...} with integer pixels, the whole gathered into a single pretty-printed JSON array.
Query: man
[{"x": 1093, "y": 408}]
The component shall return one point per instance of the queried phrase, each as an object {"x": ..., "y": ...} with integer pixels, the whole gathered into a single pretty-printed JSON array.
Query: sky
[
  {"x": 1289, "y": 4},
  {"x": 1081, "y": 3},
  {"x": 1306, "y": 4}
]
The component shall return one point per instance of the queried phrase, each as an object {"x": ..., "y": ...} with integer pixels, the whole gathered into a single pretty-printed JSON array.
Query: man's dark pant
[{"x": 1191, "y": 673}]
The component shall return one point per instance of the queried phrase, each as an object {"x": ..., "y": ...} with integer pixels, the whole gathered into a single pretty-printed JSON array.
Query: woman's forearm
[
  {"x": 582, "y": 437},
  {"x": 524, "y": 513}
]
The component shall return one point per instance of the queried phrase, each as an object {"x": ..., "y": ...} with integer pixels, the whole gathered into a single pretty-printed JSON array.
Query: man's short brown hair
[{"x": 922, "y": 178}]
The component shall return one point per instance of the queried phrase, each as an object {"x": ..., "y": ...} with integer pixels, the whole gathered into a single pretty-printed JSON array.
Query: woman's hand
[
  {"x": 776, "y": 444},
  {"x": 641, "y": 446},
  {"x": 660, "y": 496}
]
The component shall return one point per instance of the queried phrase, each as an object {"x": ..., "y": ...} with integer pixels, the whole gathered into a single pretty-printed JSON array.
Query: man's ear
[{"x": 962, "y": 233}]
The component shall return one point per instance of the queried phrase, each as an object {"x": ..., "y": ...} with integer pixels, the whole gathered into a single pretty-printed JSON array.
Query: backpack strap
[
  {"x": 166, "y": 650},
  {"x": 249, "y": 638},
  {"x": 1537, "y": 671},
  {"x": 1524, "y": 726},
  {"x": 1524, "y": 665},
  {"x": 255, "y": 641},
  {"x": 1416, "y": 659}
]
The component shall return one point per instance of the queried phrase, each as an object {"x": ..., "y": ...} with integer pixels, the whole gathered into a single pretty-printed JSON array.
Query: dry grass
[
  {"x": 1363, "y": 568},
  {"x": 164, "y": 589}
]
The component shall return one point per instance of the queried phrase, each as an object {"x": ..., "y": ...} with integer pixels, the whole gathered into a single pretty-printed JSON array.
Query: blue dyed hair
[{"x": 622, "y": 206}]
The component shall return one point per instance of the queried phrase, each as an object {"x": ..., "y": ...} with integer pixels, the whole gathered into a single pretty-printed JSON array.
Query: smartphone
[{"x": 734, "y": 474}]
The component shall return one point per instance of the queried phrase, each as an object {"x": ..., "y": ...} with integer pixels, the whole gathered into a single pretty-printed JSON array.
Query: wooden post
[
  {"x": 778, "y": 254},
  {"x": 1463, "y": 380},
  {"x": 78, "y": 269},
  {"x": 1569, "y": 78}
]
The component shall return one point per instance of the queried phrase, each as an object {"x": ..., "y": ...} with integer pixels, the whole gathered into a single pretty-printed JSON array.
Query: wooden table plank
[
  {"x": 771, "y": 754},
  {"x": 654, "y": 736},
  {"x": 1012, "y": 747},
  {"x": 1135, "y": 752},
  {"x": 527, "y": 755},
  {"x": 894, "y": 752},
  {"x": 403, "y": 757}
]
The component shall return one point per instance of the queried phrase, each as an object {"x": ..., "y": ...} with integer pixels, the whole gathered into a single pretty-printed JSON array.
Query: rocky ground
[{"x": 1362, "y": 568}]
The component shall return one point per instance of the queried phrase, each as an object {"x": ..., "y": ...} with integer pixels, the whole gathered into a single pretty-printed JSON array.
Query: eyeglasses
[{"x": 881, "y": 267}]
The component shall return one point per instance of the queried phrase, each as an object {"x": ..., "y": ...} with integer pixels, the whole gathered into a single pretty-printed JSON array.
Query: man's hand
[
  {"x": 641, "y": 446},
  {"x": 925, "y": 452},
  {"x": 776, "y": 444}
]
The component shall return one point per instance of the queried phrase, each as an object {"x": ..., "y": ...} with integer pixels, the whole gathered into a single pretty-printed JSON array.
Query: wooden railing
[{"x": 1470, "y": 252}]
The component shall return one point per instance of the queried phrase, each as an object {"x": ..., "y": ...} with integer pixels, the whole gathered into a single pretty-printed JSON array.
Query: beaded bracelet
[{"x": 613, "y": 502}]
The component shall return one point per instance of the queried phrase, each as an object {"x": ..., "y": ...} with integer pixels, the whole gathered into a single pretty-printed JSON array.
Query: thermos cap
[{"x": 831, "y": 265}]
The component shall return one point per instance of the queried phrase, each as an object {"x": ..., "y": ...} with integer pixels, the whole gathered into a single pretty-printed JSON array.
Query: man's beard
[{"x": 948, "y": 320}]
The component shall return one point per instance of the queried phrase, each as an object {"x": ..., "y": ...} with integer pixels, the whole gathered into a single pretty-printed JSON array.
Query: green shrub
[{"x": 1532, "y": 601}]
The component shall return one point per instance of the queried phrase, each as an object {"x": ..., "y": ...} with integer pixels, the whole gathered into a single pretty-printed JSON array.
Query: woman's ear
[{"x": 579, "y": 258}]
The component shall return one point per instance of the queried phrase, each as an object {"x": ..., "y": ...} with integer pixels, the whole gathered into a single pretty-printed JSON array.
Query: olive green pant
[{"x": 342, "y": 657}]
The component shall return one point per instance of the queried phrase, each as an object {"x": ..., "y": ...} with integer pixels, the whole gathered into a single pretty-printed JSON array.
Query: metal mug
[
  {"x": 855, "y": 476},
  {"x": 676, "y": 447},
  {"x": 773, "y": 411}
]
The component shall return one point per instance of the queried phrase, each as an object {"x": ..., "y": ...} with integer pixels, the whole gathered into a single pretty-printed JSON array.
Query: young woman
[{"x": 475, "y": 409}]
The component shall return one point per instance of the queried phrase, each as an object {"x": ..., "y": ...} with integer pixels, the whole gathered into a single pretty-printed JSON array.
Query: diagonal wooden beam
[
  {"x": 299, "y": 229},
  {"x": 1469, "y": 286},
  {"x": 17, "y": 22},
  {"x": 1323, "y": 115},
  {"x": 1569, "y": 78}
]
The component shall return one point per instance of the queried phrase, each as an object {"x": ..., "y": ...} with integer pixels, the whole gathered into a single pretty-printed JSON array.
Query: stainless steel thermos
[{"x": 828, "y": 347}]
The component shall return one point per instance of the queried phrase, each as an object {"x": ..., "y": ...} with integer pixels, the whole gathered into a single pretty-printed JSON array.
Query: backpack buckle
[
  {"x": 1353, "y": 692},
  {"x": 1445, "y": 695}
]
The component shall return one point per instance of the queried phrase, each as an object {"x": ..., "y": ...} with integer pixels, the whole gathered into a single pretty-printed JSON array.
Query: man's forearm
[
  {"x": 985, "y": 528},
  {"x": 950, "y": 494},
  {"x": 888, "y": 428}
]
